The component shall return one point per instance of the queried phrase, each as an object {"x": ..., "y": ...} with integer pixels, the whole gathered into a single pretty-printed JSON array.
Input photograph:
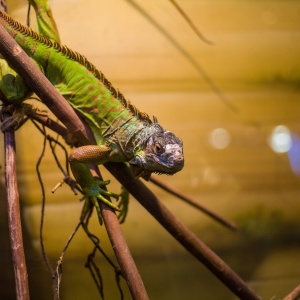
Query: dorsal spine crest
[{"x": 75, "y": 56}]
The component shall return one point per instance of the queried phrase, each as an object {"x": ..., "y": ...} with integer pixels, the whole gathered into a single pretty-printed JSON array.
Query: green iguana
[{"x": 122, "y": 133}]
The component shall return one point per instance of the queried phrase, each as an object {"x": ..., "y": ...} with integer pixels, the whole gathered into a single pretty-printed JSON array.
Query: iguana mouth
[{"x": 140, "y": 172}]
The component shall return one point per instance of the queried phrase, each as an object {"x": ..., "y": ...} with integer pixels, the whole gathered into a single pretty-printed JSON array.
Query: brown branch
[
  {"x": 294, "y": 294},
  {"x": 14, "y": 219},
  {"x": 180, "y": 232},
  {"x": 121, "y": 249},
  {"x": 18, "y": 59},
  {"x": 188, "y": 199},
  {"x": 118, "y": 241}
]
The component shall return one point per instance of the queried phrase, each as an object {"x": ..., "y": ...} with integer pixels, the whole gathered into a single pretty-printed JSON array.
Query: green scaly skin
[{"x": 123, "y": 133}]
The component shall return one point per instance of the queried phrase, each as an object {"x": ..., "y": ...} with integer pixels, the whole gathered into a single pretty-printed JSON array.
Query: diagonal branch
[
  {"x": 190, "y": 23},
  {"x": 229, "y": 224},
  {"x": 294, "y": 294},
  {"x": 40, "y": 85}
]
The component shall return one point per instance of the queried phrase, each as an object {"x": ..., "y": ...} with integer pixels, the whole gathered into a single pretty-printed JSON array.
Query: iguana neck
[{"x": 131, "y": 137}]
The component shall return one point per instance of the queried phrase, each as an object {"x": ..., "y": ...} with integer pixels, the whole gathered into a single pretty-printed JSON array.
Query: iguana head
[{"x": 157, "y": 151}]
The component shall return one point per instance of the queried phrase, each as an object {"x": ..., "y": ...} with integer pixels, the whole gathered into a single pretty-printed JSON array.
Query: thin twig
[
  {"x": 215, "y": 88},
  {"x": 57, "y": 276},
  {"x": 190, "y": 22},
  {"x": 188, "y": 199},
  {"x": 14, "y": 219},
  {"x": 44, "y": 255},
  {"x": 65, "y": 171},
  {"x": 53, "y": 125},
  {"x": 95, "y": 272}
]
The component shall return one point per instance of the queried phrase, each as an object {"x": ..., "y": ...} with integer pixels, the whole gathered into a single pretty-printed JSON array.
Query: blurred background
[{"x": 235, "y": 104}]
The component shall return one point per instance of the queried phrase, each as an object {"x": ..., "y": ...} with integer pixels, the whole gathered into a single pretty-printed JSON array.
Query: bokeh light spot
[
  {"x": 219, "y": 138},
  {"x": 280, "y": 139}
]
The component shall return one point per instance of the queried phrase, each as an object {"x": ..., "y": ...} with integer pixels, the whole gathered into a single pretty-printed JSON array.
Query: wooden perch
[
  {"x": 14, "y": 218},
  {"x": 40, "y": 85}
]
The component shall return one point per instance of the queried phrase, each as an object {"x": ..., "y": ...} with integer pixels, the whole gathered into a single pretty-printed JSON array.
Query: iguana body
[{"x": 122, "y": 133}]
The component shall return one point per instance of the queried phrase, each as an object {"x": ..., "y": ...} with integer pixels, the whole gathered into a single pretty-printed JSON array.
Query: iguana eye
[{"x": 158, "y": 148}]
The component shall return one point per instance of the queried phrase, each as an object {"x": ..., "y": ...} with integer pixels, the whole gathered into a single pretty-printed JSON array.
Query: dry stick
[
  {"x": 193, "y": 244},
  {"x": 121, "y": 249},
  {"x": 188, "y": 199},
  {"x": 117, "y": 240},
  {"x": 294, "y": 294},
  {"x": 18, "y": 59},
  {"x": 192, "y": 25},
  {"x": 14, "y": 219}
]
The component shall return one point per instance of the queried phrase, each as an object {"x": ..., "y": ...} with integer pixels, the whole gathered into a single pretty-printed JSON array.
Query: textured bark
[{"x": 14, "y": 218}]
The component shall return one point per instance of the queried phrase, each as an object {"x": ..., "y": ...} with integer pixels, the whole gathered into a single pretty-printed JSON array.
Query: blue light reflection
[{"x": 294, "y": 154}]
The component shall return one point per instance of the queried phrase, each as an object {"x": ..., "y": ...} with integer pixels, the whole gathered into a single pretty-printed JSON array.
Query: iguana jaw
[
  {"x": 162, "y": 154},
  {"x": 140, "y": 172}
]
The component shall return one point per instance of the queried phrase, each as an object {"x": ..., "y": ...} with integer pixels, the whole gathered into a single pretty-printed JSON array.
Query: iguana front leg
[
  {"x": 11, "y": 84},
  {"x": 96, "y": 155},
  {"x": 45, "y": 22}
]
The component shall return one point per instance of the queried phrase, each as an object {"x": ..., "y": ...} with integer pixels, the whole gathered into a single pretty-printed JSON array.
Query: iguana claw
[
  {"x": 94, "y": 193},
  {"x": 123, "y": 205}
]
